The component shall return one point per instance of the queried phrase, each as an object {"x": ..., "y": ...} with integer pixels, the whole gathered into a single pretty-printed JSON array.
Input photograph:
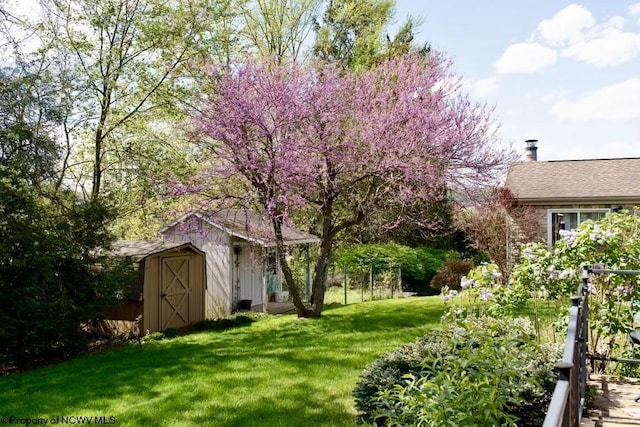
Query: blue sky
[{"x": 567, "y": 74}]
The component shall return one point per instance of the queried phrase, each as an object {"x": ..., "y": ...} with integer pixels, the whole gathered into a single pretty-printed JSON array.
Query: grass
[
  {"x": 280, "y": 371},
  {"x": 335, "y": 295}
]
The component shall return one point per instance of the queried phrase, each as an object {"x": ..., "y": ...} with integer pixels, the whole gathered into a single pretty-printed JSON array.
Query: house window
[{"x": 569, "y": 219}]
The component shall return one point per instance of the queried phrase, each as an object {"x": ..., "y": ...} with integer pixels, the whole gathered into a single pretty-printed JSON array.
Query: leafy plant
[
  {"x": 476, "y": 371},
  {"x": 613, "y": 242},
  {"x": 226, "y": 322}
]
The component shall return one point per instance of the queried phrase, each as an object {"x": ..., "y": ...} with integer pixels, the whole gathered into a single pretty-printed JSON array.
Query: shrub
[
  {"x": 390, "y": 369},
  {"x": 450, "y": 274},
  {"x": 53, "y": 279},
  {"x": 476, "y": 371}
]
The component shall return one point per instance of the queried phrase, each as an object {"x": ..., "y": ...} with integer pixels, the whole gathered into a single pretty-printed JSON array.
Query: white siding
[
  {"x": 216, "y": 245},
  {"x": 250, "y": 272}
]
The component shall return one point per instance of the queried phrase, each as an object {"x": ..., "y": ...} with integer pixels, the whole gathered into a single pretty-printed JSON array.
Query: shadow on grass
[{"x": 279, "y": 371}]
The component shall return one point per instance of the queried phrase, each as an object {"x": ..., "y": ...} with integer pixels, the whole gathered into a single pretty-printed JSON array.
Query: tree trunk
[
  {"x": 322, "y": 263},
  {"x": 301, "y": 310},
  {"x": 99, "y": 142},
  {"x": 320, "y": 275}
]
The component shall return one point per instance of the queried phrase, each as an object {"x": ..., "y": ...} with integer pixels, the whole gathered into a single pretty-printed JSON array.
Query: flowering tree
[{"x": 340, "y": 145}]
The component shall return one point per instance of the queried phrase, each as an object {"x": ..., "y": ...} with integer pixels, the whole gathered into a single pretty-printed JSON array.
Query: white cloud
[
  {"x": 483, "y": 88},
  {"x": 566, "y": 25},
  {"x": 525, "y": 58},
  {"x": 634, "y": 11},
  {"x": 611, "y": 47},
  {"x": 616, "y": 102},
  {"x": 604, "y": 45}
]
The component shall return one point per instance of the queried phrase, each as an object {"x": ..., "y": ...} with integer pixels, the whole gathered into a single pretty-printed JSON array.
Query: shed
[
  {"x": 243, "y": 270},
  {"x": 169, "y": 290}
]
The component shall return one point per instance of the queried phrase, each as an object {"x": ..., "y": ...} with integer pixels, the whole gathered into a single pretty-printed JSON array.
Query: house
[
  {"x": 565, "y": 193},
  {"x": 243, "y": 270},
  {"x": 168, "y": 291}
]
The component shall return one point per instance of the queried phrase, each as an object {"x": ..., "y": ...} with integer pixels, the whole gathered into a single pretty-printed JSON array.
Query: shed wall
[
  {"x": 151, "y": 295},
  {"x": 217, "y": 247}
]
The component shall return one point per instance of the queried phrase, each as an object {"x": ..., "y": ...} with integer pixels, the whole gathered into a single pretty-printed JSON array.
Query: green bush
[
  {"x": 390, "y": 369},
  {"x": 476, "y": 371},
  {"x": 54, "y": 278},
  {"x": 53, "y": 281},
  {"x": 418, "y": 265},
  {"x": 450, "y": 274}
]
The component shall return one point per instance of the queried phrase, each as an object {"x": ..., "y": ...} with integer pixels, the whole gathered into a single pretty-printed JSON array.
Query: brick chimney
[{"x": 531, "y": 153}]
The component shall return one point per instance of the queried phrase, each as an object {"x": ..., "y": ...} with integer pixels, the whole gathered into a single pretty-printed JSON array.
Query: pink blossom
[{"x": 340, "y": 144}]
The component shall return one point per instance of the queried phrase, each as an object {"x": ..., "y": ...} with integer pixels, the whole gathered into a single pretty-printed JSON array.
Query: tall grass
[{"x": 280, "y": 371}]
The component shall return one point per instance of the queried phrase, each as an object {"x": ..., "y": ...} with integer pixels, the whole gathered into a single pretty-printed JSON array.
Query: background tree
[
  {"x": 123, "y": 71},
  {"x": 341, "y": 144},
  {"x": 499, "y": 226},
  {"x": 352, "y": 33},
  {"x": 130, "y": 56},
  {"x": 52, "y": 278},
  {"x": 279, "y": 28}
]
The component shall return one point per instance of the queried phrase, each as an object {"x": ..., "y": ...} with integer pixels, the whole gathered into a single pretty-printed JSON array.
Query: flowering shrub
[
  {"x": 555, "y": 273},
  {"x": 611, "y": 243},
  {"x": 485, "y": 283}
]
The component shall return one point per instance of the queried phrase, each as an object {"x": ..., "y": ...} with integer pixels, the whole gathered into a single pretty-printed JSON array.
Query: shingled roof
[
  {"x": 248, "y": 225},
  {"x": 137, "y": 250},
  {"x": 575, "y": 180},
  {"x": 140, "y": 249}
]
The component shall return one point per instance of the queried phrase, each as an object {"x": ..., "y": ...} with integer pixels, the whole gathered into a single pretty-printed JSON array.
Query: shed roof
[
  {"x": 574, "y": 180},
  {"x": 140, "y": 249},
  {"x": 248, "y": 225}
]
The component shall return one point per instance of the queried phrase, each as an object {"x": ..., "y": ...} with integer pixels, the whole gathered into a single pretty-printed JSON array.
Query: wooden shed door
[{"x": 174, "y": 292}]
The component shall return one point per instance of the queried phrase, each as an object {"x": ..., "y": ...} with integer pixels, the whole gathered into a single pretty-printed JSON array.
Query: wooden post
[
  {"x": 307, "y": 273},
  {"x": 371, "y": 279},
  {"x": 345, "y": 283}
]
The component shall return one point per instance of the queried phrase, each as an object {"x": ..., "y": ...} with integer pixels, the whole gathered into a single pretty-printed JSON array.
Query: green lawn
[{"x": 280, "y": 371}]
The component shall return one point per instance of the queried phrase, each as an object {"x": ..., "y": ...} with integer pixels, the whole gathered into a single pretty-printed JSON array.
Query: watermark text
[{"x": 58, "y": 420}]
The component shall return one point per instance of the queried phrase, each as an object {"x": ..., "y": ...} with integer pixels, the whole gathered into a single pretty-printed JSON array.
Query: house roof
[
  {"x": 140, "y": 249},
  {"x": 575, "y": 180},
  {"x": 248, "y": 225}
]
